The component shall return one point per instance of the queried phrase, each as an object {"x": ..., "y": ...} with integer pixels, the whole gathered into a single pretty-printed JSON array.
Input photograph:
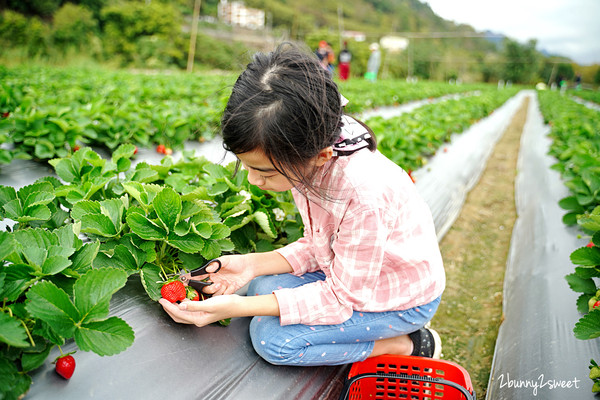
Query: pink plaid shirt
[{"x": 375, "y": 242}]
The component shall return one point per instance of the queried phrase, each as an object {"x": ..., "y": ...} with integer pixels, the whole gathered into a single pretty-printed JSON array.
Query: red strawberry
[
  {"x": 76, "y": 147},
  {"x": 590, "y": 244},
  {"x": 193, "y": 295},
  {"x": 6, "y": 114},
  {"x": 161, "y": 148},
  {"x": 65, "y": 366},
  {"x": 173, "y": 291},
  {"x": 135, "y": 151},
  {"x": 596, "y": 304}
]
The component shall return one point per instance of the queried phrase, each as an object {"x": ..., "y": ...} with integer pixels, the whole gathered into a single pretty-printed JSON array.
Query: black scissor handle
[{"x": 202, "y": 269}]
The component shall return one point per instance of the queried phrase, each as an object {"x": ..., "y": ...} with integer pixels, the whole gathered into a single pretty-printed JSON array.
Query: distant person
[
  {"x": 323, "y": 54},
  {"x": 344, "y": 62},
  {"x": 330, "y": 59},
  {"x": 374, "y": 63},
  {"x": 578, "y": 82}
]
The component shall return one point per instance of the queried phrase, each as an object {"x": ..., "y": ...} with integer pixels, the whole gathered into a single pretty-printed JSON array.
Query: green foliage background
[{"x": 155, "y": 34}]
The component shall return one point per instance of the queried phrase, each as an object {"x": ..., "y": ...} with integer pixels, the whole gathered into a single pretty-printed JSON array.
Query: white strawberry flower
[
  {"x": 279, "y": 214},
  {"x": 247, "y": 196}
]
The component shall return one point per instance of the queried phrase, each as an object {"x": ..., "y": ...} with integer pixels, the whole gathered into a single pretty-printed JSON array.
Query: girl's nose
[{"x": 255, "y": 178}]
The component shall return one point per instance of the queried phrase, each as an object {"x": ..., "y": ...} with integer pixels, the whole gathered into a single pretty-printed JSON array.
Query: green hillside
[{"x": 155, "y": 34}]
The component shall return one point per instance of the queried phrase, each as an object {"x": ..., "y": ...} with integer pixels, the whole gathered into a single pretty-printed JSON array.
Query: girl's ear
[{"x": 324, "y": 156}]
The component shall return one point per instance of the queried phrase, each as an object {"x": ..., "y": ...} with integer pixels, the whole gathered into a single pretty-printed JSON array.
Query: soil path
[{"x": 475, "y": 251}]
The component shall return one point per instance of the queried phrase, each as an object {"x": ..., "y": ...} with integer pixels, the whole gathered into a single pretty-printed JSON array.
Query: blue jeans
[{"x": 310, "y": 345}]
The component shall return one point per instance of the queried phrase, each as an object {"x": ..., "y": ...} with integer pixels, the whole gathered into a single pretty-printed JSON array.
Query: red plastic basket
[{"x": 407, "y": 377}]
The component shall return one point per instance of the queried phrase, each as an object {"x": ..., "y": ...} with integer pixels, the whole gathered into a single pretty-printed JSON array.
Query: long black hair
[{"x": 287, "y": 105}]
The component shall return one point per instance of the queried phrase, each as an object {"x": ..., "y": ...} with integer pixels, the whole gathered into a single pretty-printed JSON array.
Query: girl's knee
[
  {"x": 268, "y": 342},
  {"x": 262, "y": 285}
]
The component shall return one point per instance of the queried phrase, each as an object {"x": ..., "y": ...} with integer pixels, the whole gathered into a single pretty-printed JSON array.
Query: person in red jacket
[{"x": 344, "y": 59}]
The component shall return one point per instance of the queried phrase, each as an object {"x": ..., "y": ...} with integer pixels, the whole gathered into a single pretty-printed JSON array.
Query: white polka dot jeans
[{"x": 310, "y": 345}]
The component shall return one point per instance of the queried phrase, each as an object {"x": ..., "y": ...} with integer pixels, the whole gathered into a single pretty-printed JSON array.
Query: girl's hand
[
  {"x": 235, "y": 272},
  {"x": 201, "y": 313}
]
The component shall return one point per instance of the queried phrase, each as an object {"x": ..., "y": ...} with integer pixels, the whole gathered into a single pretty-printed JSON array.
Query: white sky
[{"x": 566, "y": 27}]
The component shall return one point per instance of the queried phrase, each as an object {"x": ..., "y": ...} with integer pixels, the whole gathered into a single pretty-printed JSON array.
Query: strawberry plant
[
  {"x": 411, "y": 138},
  {"x": 576, "y": 146},
  {"x": 52, "y": 294},
  {"x": 77, "y": 237}
]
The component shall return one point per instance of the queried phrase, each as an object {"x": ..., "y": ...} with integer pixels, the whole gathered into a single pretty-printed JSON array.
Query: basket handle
[{"x": 346, "y": 389}]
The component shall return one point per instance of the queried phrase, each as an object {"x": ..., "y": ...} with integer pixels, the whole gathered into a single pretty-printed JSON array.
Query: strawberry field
[{"x": 86, "y": 246}]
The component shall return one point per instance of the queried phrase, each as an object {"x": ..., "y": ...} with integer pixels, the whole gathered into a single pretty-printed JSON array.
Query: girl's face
[{"x": 262, "y": 173}]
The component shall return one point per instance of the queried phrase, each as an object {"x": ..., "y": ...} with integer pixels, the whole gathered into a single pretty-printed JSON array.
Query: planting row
[
  {"x": 589, "y": 95},
  {"x": 411, "y": 138},
  {"x": 576, "y": 146},
  {"x": 47, "y": 113}
]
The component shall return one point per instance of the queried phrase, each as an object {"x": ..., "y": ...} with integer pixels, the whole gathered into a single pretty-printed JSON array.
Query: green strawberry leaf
[
  {"x": 98, "y": 224},
  {"x": 190, "y": 243},
  {"x": 168, "y": 207},
  {"x": 262, "y": 219},
  {"x": 55, "y": 264},
  {"x": 586, "y": 256},
  {"x": 6, "y": 244},
  {"x": 215, "y": 171},
  {"x": 190, "y": 209},
  {"x": 115, "y": 210},
  {"x": 31, "y": 361},
  {"x": 13, "y": 209},
  {"x": 39, "y": 198},
  {"x": 7, "y": 193},
  {"x": 144, "y": 228},
  {"x": 53, "y": 306},
  {"x": 35, "y": 256},
  {"x": 220, "y": 231},
  {"x": 212, "y": 249},
  {"x": 93, "y": 291},
  {"x": 579, "y": 284},
  {"x": 226, "y": 245},
  {"x": 121, "y": 259},
  {"x": 582, "y": 303},
  {"x": 203, "y": 229},
  {"x": 105, "y": 338},
  {"x": 65, "y": 169},
  {"x": 150, "y": 276},
  {"x": 217, "y": 189},
  {"x": 12, "y": 332},
  {"x": 38, "y": 212},
  {"x": 588, "y": 327},
  {"x": 83, "y": 258}
]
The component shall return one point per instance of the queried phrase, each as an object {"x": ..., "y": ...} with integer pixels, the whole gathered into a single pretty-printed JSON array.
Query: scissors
[{"x": 188, "y": 278}]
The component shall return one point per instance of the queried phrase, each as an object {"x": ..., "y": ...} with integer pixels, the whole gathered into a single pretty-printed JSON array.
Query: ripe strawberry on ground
[
  {"x": 596, "y": 304},
  {"x": 590, "y": 244},
  {"x": 136, "y": 150},
  {"x": 160, "y": 149},
  {"x": 173, "y": 291},
  {"x": 65, "y": 366}
]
